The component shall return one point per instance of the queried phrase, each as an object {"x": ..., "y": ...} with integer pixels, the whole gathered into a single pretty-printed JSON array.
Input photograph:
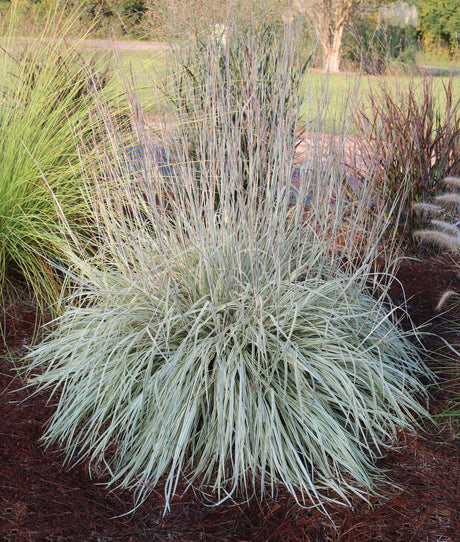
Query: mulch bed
[{"x": 40, "y": 500}]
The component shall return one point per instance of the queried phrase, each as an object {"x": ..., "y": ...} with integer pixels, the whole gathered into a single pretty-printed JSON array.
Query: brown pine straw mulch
[{"x": 42, "y": 501}]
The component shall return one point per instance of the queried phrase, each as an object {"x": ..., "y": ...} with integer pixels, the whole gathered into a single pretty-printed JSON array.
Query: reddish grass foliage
[{"x": 412, "y": 134}]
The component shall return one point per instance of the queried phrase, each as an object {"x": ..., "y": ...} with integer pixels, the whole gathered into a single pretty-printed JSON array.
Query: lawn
[
  {"x": 140, "y": 67},
  {"x": 331, "y": 96}
]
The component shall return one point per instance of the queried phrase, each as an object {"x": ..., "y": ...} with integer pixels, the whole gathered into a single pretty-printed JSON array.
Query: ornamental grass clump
[
  {"x": 45, "y": 106},
  {"x": 413, "y": 134},
  {"x": 443, "y": 231},
  {"x": 240, "y": 67},
  {"x": 229, "y": 346}
]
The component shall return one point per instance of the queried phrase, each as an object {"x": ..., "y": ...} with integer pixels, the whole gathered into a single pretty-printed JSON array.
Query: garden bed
[{"x": 42, "y": 500}]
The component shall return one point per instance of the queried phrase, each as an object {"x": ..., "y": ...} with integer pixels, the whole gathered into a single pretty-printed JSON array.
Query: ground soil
[{"x": 40, "y": 500}]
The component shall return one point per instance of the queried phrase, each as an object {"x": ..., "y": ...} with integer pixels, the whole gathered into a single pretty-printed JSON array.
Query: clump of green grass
[
  {"x": 46, "y": 104},
  {"x": 231, "y": 345}
]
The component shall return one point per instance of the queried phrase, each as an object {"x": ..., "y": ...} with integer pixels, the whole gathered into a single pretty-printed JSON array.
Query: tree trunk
[
  {"x": 333, "y": 60},
  {"x": 330, "y": 17}
]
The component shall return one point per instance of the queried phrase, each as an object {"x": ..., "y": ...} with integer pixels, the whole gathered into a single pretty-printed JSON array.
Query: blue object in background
[
  {"x": 142, "y": 155},
  {"x": 354, "y": 185}
]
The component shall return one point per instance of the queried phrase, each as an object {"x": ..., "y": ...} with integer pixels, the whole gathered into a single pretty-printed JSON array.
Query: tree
[
  {"x": 439, "y": 21},
  {"x": 330, "y": 18}
]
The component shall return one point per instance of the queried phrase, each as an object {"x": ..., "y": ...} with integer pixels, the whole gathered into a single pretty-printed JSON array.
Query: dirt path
[
  {"x": 118, "y": 44},
  {"x": 437, "y": 68},
  {"x": 106, "y": 44}
]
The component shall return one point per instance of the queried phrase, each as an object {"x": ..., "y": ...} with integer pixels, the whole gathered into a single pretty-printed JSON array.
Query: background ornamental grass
[
  {"x": 442, "y": 231},
  {"x": 46, "y": 106},
  {"x": 230, "y": 344}
]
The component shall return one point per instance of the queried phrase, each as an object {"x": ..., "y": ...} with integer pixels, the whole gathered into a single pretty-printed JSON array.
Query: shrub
[
  {"x": 376, "y": 49},
  {"x": 439, "y": 23},
  {"x": 230, "y": 346}
]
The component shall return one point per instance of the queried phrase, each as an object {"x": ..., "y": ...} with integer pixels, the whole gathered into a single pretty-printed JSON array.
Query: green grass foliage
[{"x": 45, "y": 93}]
